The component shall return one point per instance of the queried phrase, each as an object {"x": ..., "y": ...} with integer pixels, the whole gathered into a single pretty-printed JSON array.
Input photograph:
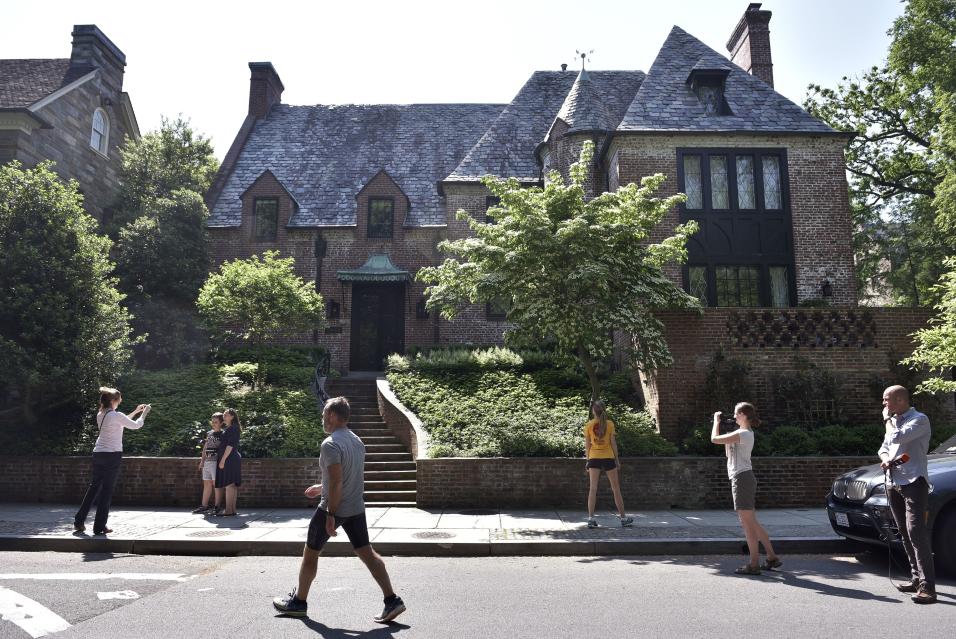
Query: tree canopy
[
  {"x": 571, "y": 271},
  {"x": 901, "y": 161},
  {"x": 254, "y": 299},
  {"x": 63, "y": 330}
]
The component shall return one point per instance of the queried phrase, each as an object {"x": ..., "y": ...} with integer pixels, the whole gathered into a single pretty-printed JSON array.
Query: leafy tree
[
  {"x": 258, "y": 298},
  {"x": 936, "y": 345},
  {"x": 163, "y": 253},
  {"x": 901, "y": 160},
  {"x": 160, "y": 229},
  {"x": 63, "y": 331},
  {"x": 163, "y": 162},
  {"x": 573, "y": 271}
]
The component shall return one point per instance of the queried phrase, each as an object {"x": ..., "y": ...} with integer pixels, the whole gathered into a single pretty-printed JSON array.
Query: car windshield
[{"x": 948, "y": 447}]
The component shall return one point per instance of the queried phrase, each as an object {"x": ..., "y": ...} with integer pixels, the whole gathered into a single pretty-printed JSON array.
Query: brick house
[
  {"x": 72, "y": 111},
  {"x": 360, "y": 195}
]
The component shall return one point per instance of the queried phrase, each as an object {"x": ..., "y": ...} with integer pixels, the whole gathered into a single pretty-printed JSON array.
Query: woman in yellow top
[{"x": 600, "y": 448}]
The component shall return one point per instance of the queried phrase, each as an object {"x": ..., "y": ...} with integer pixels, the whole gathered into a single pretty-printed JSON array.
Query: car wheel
[{"x": 944, "y": 541}]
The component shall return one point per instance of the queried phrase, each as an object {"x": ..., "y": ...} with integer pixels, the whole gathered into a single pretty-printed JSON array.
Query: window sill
[{"x": 99, "y": 153}]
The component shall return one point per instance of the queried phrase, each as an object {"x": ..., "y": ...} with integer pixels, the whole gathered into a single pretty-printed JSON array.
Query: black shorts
[
  {"x": 603, "y": 463},
  {"x": 355, "y": 527}
]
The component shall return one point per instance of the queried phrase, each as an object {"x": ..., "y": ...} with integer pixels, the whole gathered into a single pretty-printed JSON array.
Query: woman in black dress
[{"x": 229, "y": 470}]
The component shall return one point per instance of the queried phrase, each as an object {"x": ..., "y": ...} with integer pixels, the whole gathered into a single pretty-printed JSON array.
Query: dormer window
[
  {"x": 100, "y": 134},
  {"x": 708, "y": 85},
  {"x": 381, "y": 213}
]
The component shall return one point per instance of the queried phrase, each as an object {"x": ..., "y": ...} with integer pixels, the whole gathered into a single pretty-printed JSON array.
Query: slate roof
[
  {"x": 324, "y": 155},
  {"x": 666, "y": 103},
  {"x": 23, "y": 82},
  {"x": 583, "y": 109},
  {"x": 507, "y": 149}
]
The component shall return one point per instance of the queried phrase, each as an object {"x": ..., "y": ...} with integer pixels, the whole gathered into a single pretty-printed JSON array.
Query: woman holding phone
[
  {"x": 107, "y": 456},
  {"x": 229, "y": 470}
]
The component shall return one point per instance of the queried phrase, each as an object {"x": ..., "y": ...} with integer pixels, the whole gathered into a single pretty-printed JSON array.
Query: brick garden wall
[
  {"x": 646, "y": 482},
  {"x": 154, "y": 481}
]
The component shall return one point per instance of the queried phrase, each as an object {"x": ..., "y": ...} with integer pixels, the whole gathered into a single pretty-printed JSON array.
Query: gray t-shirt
[
  {"x": 344, "y": 447},
  {"x": 738, "y": 455}
]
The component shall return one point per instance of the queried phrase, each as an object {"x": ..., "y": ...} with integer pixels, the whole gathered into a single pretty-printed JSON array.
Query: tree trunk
[{"x": 588, "y": 364}]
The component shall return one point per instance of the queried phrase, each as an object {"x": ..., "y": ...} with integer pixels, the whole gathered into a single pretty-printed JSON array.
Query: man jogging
[{"x": 342, "y": 460}]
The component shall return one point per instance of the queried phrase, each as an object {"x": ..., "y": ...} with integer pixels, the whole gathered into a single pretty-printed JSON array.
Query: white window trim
[{"x": 105, "y": 134}]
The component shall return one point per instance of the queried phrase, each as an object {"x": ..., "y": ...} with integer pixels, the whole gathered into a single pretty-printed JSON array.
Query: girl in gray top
[{"x": 738, "y": 446}]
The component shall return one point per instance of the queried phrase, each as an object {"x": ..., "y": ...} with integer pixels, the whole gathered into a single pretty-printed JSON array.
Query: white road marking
[
  {"x": 97, "y": 576},
  {"x": 119, "y": 594},
  {"x": 203, "y": 589},
  {"x": 31, "y": 616}
]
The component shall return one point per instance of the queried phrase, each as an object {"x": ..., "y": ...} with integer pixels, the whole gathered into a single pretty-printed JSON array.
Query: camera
[{"x": 727, "y": 423}]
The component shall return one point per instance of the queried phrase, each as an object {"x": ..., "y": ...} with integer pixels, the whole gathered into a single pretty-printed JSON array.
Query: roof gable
[
  {"x": 665, "y": 101},
  {"x": 268, "y": 174},
  {"x": 507, "y": 148},
  {"x": 325, "y": 155},
  {"x": 24, "y": 82}
]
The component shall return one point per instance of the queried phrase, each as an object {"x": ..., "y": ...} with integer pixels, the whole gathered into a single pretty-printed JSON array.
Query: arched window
[{"x": 100, "y": 136}]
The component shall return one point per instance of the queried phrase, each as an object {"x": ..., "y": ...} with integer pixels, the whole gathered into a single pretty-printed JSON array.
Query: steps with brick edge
[{"x": 390, "y": 475}]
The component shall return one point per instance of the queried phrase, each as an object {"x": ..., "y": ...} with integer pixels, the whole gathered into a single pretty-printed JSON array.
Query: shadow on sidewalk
[{"x": 340, "y": 633}]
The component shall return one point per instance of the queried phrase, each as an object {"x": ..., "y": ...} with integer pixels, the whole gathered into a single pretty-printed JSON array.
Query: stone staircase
[{"x": 389, "y": 467}]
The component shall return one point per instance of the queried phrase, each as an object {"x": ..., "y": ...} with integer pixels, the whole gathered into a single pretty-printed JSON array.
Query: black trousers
[
  {"x": 105, "y": 471},
  {"x": 908, "y": 504}
]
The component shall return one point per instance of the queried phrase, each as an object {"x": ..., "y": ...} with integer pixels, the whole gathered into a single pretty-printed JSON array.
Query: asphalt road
[{"x": 154, "y": 596}]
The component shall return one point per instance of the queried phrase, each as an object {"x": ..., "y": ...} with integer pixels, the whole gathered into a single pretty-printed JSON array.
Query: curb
[{"x": 543, "y": 548}]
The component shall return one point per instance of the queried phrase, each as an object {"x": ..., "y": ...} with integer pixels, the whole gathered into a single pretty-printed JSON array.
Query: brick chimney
[
  {"x": 91, "y": 48},
  {"x": 749, "y": 45},
  {"x": 265, "y": 88}
]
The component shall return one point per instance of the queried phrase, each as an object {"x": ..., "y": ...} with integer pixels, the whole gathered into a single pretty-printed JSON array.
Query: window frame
[
  {"x": 255, "y": 219},
  {"x": 731, "y": 153},
  {"x": 368, "y": 220},
  {"x": 104, "y": 135},
  {"x": 490, "y": 201},
  {"x": 760, "y": 216},
  {"x": 496, "y": 316}
]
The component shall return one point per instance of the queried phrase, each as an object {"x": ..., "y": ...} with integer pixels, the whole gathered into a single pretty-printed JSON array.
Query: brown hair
[
  {"x": 219, "y": 417},
  {"x": 108, "y": 396},
  {"x": 598, "y": 411},
  {"x": 339, "y": 406},
  {"x": 750, "y": 412},
  {"x": 235, "y": 418}
]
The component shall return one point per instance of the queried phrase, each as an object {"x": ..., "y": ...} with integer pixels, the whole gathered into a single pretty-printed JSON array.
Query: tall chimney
[
  {"x": 749, "y": 45},
  {"x": 91, "y": 48},
  {"x": 265, "y": 88}
]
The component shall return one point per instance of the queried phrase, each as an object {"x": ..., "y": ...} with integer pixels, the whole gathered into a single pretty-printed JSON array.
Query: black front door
[{"x": 378, "y": 324}]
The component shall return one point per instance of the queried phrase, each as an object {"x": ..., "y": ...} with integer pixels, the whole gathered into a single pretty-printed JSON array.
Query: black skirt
[{"x": 231, "y": 473}]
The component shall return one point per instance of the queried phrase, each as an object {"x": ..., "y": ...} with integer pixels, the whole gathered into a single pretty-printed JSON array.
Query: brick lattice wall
[
  {"x": 675, "y": 393},
  {"x": 646, "y": 482}
]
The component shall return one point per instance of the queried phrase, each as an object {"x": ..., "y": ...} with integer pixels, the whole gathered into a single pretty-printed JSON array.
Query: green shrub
[
  {"x": 507, "y": 412},
  {"x": 263, "y": 435},
  {"x": 790, "y": 440}
]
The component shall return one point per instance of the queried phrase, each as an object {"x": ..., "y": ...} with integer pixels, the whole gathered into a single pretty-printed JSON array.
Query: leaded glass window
[
  {"x": 380, "y": 217},
  {"x": 697, "y": 283},
  {"x": 712, "y": 98},
  {"x": 692, "y": 182},
  {"x": 100, "y": 134},
  {"x": 745, "y": 182},
  {"x": 719, "y": 189},
  {"x": 771, "y": 182},
  {"x": 779, "y": 287},
  {"x": 266, "y": 217},
  {"x": 738, "y": 286}
]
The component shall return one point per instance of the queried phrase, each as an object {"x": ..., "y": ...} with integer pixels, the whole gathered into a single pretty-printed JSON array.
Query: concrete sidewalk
[{"x": 410, "y": 531}]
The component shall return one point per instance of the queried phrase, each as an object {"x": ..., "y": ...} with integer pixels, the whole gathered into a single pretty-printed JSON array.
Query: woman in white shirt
[
  {"x": 107, "y": 455},
  {"x": 738, "y": 446}
]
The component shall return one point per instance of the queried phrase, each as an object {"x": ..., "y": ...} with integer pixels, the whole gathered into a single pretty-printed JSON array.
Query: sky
[{"x": 191, "y": 58}]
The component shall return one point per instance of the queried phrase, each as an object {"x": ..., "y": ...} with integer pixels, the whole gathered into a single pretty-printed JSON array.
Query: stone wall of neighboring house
[{"x": 68, "y": 142}]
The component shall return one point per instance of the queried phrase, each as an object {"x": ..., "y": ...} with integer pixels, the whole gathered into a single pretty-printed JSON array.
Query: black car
[{"x": 858, "y": 507}]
